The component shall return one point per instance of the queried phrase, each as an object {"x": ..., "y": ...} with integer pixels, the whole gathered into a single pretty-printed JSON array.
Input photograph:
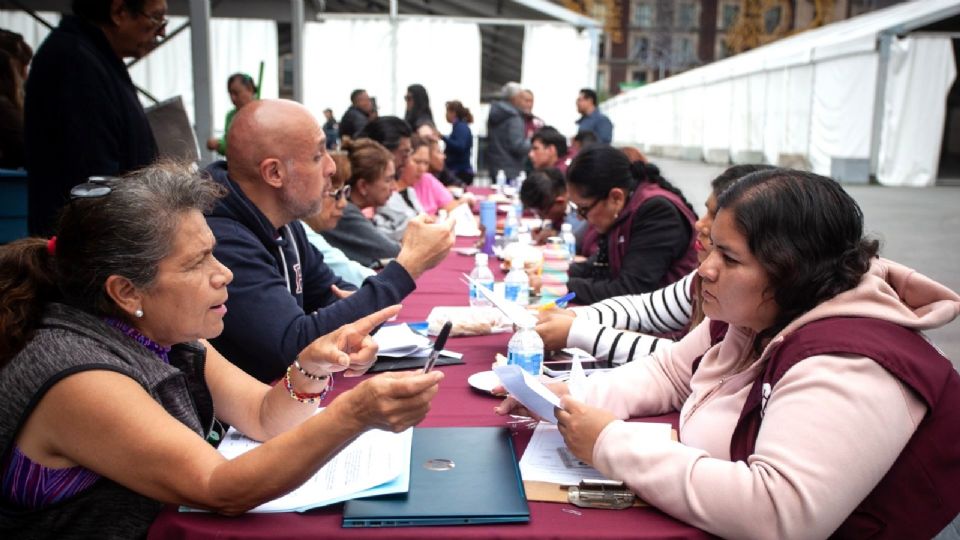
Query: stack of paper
[{"x": 375, "y": 463}]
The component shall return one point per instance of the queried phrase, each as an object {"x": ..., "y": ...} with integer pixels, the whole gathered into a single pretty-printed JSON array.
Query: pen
[
  {"x": 559, "y": 302},
  {"x": 438, "y": 346}
]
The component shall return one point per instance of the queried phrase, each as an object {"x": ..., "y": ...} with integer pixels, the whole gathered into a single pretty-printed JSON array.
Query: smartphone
[{"x": 561, "y": 362}]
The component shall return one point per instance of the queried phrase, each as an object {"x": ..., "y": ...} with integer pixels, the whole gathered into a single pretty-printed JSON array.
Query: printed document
[{"x": 375, "y": 463}]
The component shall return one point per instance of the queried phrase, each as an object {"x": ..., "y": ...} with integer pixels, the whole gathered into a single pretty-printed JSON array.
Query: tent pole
[
  {"x": 879, "y": 95},
  {"x": 296, "y": 42},
  {"x": 202, "y": 97},
  {"x": 394, "y": 24}
]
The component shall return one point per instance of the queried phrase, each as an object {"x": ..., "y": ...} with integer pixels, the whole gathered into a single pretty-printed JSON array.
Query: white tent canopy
[
  {"x": 382, "y": 53},
  {"x": 864, "y": 90}
]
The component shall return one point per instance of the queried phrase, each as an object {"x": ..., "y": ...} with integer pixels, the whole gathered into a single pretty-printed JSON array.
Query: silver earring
[{"x": 138, "y": 313}]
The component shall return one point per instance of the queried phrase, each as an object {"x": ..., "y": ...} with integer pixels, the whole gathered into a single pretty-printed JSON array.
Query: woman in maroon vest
[
  {"x": 646, "y": 227},
  {"x": 820, "y": 409}
]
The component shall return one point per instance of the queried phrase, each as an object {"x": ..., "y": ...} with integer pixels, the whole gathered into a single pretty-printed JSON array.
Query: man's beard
[{"x": 293, "y": 201}]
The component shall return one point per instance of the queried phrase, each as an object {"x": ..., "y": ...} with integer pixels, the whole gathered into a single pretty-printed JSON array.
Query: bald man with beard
[{"x": 283, "y": 296}]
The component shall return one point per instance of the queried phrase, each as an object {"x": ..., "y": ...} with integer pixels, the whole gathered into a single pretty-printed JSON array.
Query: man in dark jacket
[
  {"x": 82, "y": 116},
  {"x": 283, "y": 296},
  {"x": 507, "y": 145},
  {"x": 357, "y": 116}
]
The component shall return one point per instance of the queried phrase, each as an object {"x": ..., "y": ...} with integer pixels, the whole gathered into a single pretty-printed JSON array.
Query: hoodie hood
[
  {"x": 236, "y": 206},
  {"x": 500, "y": 112},
  {"x": 891, "y": 292}
]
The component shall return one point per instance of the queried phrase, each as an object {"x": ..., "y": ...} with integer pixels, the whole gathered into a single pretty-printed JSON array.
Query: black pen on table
[{"x": 438, "y": 346}]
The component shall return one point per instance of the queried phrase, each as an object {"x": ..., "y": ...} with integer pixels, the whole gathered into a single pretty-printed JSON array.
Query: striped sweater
[{"x": 620, "y": 328}]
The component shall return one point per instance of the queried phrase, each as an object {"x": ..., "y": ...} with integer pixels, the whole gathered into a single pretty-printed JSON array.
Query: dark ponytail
[
  {"x": 599, "y": 168},
  {"x": 27, "y": 284}
]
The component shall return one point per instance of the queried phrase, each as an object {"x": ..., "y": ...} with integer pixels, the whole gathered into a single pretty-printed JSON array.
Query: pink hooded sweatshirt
[{"x": 833, "y": 425}]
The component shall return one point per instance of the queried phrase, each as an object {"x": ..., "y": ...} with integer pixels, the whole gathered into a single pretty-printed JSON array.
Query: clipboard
[{"x": 557, "y": 493}]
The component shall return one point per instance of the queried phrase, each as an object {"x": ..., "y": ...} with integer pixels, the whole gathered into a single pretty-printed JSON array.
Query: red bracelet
[{"x": 305, "y": 397}]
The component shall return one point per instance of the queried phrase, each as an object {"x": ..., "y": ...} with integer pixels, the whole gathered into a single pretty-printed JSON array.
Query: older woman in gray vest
[
  {"x": 810, "y": 403},
  {"x": 111, "y": 390}
]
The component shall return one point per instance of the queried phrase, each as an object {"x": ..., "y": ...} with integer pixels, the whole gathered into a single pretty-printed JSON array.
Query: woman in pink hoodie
[{"x": 810, "y": 403}]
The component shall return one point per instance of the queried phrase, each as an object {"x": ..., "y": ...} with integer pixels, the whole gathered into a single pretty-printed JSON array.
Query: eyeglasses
[
  {"x": 158, "y": 22},
  {"x": 95, "y": 186},
  {"x": 582, "y": 211},
  {"x": 342, "y": 193}
]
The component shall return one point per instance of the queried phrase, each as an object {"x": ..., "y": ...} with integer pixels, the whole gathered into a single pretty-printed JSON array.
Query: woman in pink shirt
[{"x": 810, "y": 403}]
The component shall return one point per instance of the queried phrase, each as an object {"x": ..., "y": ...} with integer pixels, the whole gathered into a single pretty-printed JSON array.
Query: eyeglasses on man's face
[
  {"x": 157, "y": 22},
  {"x": 95, "y": 186},
  {"x": 342, "y": 193}
]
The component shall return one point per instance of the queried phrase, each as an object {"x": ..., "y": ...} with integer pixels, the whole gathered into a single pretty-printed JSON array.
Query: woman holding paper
[
  {"x": 112, "y": 392},
  {"x": 819, "y": 409}
]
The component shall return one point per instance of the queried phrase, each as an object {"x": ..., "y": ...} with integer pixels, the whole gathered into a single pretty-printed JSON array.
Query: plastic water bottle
[
  {"x": 501, "y": 180},
  {"x": 526, "y": 350},
  {"x": 569, "y": 240},
  {"x": 524, "y": 236},
  {"x": 484, "y": 277},
  {"x": 511, "y": 226},
  {"x": 516, "y": 286},
  {"x": 521, "y": 178}
]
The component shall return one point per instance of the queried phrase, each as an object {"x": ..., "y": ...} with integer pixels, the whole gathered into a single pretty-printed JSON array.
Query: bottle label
[
  {"x": 531, "y": 362},
  {"x": 512, "y": 291},
  {"x": 475, "y": 294}
]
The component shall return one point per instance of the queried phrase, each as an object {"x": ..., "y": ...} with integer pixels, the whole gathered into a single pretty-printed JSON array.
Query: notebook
[
  {"x": 387, "y": 363},
  {"x": 458, "y": 476}
]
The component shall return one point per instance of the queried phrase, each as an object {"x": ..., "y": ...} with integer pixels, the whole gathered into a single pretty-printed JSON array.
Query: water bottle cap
[{"x": 481, "y": 259}]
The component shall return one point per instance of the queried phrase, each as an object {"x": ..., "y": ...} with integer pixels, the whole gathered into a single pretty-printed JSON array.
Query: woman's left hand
[
  {"x": 349, "y": 348},
  {"x": 580, "y": 425}
]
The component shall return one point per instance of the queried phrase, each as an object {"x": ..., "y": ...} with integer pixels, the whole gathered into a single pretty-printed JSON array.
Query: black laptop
[{"x": 458, "y": 476}]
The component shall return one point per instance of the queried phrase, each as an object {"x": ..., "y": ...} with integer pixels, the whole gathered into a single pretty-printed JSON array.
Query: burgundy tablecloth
[{"x": 457, "y": 404}]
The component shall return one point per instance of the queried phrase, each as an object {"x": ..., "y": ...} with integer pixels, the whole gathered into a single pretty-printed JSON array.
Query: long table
[{"x": 457, "y": 404}]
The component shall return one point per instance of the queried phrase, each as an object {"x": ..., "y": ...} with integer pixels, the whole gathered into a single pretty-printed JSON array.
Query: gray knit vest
[{"x": 70, "y": 341}]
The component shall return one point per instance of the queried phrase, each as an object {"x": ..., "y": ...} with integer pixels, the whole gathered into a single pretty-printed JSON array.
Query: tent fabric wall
[
  {"x": 555, "y": 66},
  {"x": 810, "y": 95},
  {"x": 341, "y": 55},
  {"x": 236, "y": 45},
  {"x": 346, "y": 54},
  {"x": 842, "y": 113},
  {"x": 33, "y": 32},
  {"x": 922, "y": 70}
]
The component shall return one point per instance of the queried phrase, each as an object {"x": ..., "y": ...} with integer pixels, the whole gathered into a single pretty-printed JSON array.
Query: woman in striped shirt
[{"x": 622, "y": 328}]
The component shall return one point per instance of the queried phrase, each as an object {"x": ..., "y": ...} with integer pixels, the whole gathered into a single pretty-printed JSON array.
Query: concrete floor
[{"x": 918, "y": 227}]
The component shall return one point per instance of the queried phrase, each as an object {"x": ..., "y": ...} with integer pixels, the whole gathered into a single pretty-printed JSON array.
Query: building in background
[{"x": 648, "y": 40}]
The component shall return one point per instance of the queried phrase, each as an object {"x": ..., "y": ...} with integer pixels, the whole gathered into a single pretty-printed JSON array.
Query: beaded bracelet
[
  {"x": 305, "y": 397},
  {"x": 307, "y": 374}
]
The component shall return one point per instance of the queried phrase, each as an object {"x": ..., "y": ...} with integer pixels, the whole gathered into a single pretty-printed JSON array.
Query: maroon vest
[
  {"x": 618, "y": 237},
  {"x": 920, "y": 494}
]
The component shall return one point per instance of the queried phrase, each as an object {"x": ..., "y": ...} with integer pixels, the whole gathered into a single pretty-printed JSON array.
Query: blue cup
[{"x": 488, "y": 215}]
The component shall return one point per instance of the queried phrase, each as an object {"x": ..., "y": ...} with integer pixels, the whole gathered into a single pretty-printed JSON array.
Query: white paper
[
  {"x": 514, "y": 311},
  {"x": 577, "y": 382},
  {"x": 466, "y": 222},
  {"x": 547, "y": 458},
  {"x": 529, "y": 391},
  {"x": 375, "y": 463},
  {"x": 542, "y": 460},
  {"x": 399, "y": 340}
]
